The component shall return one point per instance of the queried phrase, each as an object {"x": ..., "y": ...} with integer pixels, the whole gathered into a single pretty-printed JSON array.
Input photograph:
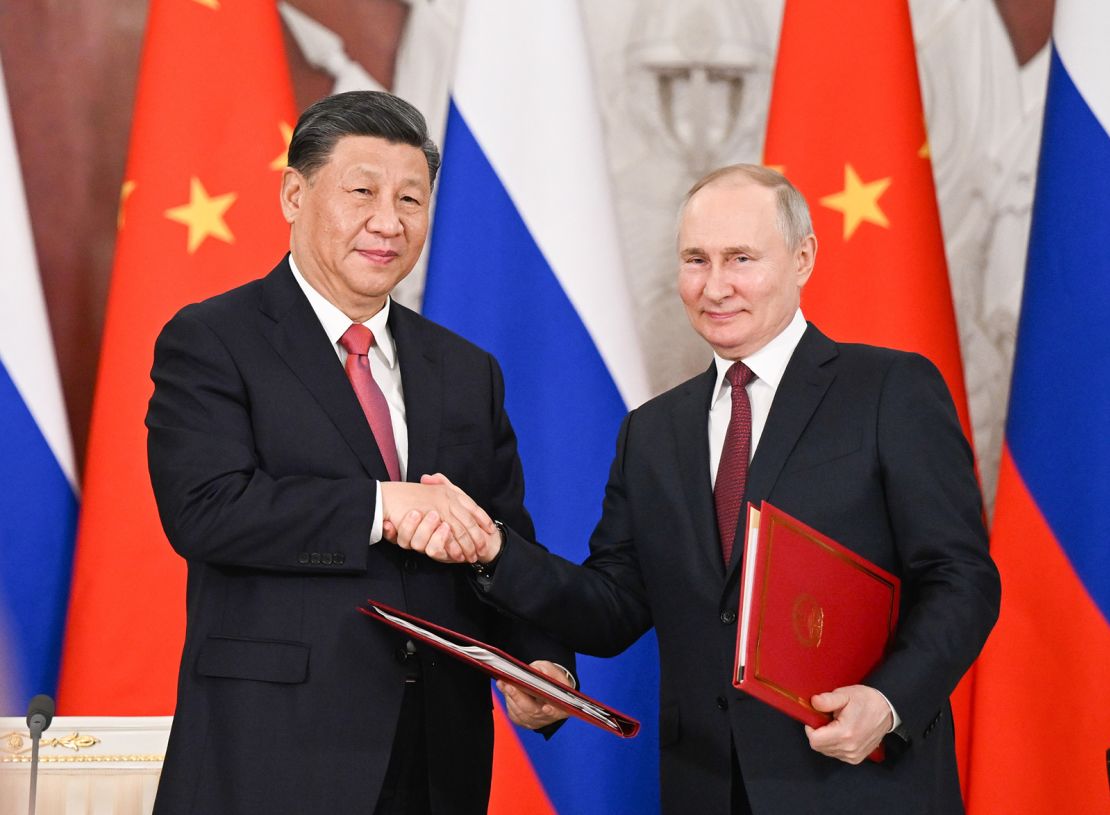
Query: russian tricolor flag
[
  {"x": 38, "y": 501},
  {"x": 524, "y": 262},
  {"x": 1042, "y": 693}
]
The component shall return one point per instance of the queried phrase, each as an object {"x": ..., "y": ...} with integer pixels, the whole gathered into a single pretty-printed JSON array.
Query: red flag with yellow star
[
  {"x": 199, "y": 214},
  {"x": 847, "y": 128}
]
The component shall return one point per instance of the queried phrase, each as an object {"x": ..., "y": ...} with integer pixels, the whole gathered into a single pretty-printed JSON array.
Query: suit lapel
[
  {"x": 298, "y": 338},
  {"x": 419, "y": 356},
  {"x": 803, "y": 386},
  {"x": 690, "y": 424}
]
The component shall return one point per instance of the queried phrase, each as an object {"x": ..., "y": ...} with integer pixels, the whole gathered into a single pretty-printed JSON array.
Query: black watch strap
[{"x": 485, "y": 570}]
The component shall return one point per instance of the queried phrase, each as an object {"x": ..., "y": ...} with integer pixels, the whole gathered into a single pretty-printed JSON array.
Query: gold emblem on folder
[{"x": 809, "y": 621}]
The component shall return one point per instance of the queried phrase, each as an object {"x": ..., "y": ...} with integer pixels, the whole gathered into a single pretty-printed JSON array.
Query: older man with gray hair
[{"x": 861, "y": 443}]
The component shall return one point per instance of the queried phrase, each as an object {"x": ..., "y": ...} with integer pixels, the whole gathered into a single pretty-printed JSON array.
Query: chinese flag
[
  {"x": 199, "y": 214},
  {"x": 847, "y": 128}
]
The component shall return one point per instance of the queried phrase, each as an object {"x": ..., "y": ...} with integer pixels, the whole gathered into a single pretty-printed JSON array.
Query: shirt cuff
[
  {"x": 570, "y": 677},
  {"x": 376, "y": 526},
  {"x": 894, "y": 717}
]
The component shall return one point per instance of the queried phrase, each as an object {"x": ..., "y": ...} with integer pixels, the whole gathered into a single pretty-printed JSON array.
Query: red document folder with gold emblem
[{"x": 814, "y": 615}]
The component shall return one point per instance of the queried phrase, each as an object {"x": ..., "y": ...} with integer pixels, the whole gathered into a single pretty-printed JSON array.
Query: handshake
[{"x": 439, "y": 519}]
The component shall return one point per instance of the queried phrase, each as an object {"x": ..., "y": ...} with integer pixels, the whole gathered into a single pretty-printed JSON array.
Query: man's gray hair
[{"x": 793, "y": 212}]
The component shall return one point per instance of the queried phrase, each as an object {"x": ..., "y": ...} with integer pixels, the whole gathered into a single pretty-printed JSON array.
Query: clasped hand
[
  {"x": 861, "y": 717},
  {"x": 438, "y": 519}
]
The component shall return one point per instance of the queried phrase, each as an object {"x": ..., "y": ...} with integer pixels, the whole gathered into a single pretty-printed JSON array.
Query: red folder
[
  {"x": 814, "y": 615},
  {"x": 500, "y": 665}
]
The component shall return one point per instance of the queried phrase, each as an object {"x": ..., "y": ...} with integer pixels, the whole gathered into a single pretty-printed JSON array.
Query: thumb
[
  {"x": 829, "y": 702},
  {"x": 434, "y": 478}
]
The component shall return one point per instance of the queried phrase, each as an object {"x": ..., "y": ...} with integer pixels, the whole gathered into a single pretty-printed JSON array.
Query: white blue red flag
[
  {"x": 38, "y": 500},
  {"x": 1042, "y": 694},
  {"x": 524, "y": 262}
]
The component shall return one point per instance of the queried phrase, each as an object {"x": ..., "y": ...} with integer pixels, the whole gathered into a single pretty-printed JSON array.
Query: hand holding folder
[
  {"x": 814, "y": 615},
  {"x": 500, "y": 665}
]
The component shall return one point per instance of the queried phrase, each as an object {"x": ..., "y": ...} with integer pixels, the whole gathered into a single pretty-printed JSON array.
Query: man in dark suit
[
  {"x": 861, "y": 443},
  {"x": 280, "y": 435}
]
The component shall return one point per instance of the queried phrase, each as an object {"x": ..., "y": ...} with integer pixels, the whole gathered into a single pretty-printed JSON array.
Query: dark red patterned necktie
[
  {"x": 732, "y": 472},
  {"x": 357, "y": 340}
]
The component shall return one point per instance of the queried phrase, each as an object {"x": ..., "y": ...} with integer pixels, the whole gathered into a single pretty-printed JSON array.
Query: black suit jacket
[
  {"x": 264, "y": 469},
  {"x": 863, "y": 444}
]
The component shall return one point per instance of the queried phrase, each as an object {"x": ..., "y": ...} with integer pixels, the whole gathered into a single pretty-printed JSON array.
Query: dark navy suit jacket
[
  {"x": 861, "y": 443},
  {"x": 264, "y": 469}
]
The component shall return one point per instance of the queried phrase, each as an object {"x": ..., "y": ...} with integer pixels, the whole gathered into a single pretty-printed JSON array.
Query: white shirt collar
[
  {"x": 336, "y": 323},
  {"x": 769, "y": 362}
]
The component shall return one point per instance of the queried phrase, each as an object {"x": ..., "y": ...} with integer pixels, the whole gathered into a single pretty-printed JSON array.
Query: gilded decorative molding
[
  {"x": 15, "y": 743},
  {"x": 121, "y": 759}
]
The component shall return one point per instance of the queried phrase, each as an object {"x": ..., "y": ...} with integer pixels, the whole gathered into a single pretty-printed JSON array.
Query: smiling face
[
  {"x": 738, "y": 279},
  {"x": 359, "y": 221}
]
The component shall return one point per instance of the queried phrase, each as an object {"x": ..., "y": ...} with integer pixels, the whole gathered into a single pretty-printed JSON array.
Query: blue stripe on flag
[
  {"x": 38, "y": 516},
  {"x": 488, "y": 281},
  {"x": 1060, "y": 401}
]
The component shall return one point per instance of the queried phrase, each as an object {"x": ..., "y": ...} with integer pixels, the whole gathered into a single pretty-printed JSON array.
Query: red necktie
[
  {"x": 357, "y": 341},
  {"x": 732, "y": 472}
]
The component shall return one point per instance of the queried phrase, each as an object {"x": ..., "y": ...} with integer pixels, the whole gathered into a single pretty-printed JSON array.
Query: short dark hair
[{"x": 358, "y": 113}]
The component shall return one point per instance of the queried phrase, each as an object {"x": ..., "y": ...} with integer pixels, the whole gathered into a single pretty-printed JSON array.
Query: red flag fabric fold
[{"x": 198, "y": 214}]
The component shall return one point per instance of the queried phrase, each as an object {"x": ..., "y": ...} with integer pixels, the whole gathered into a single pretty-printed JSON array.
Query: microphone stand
[
  {"x": 39, "y": 714},
  {"x": 36, "y": 734}
]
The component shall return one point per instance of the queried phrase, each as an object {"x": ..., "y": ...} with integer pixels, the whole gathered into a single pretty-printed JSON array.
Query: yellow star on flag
[
  {"x": 286, "y": 137},
  {"x": 204, "y": 215},
  {"x": 212, "y": 4},
  {"x": 124, "y": 193},
  {"x": 925, "y": 151},
  {"x": 858, "y": 202}
]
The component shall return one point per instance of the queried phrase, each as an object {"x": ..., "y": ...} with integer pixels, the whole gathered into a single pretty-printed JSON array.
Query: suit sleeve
[
  {"x": 598, "y": 608},
  {"x": 216, "y": 501},
  {"x": 951, "y": 588}
]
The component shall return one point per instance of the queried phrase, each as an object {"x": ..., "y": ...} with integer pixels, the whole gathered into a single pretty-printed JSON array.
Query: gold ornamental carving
[{"x": 17, "y": 744}]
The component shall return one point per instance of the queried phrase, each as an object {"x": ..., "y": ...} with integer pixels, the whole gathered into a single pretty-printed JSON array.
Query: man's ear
[
  {"x": 805, "y": 257},
  {"x": 293, "y": 186}
]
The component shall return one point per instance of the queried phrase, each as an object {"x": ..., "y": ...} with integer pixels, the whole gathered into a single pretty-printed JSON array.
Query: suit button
[
  {"x": 722, "y": 703},
  {"x": 326, "y": 558},
  {"x": 302, "y": 558},
  {"x": 401, "y": 655},
  {"x": 338, "y": 558},
  {"x": 410, "y": 564},
  {"x": 315, "y": 559},
  {"x": 728, "y": 617}
]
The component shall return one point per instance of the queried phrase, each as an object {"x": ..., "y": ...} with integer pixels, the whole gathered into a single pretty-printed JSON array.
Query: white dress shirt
[
  {"x": 768, "y": 364},
  {"x": 384, "y": 366}
]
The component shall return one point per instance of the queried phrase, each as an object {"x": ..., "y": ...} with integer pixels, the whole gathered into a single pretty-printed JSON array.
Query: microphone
[{"x": 40, "y": 712}]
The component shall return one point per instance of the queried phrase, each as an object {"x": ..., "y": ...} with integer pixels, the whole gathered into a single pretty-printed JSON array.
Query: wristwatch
[{"x": 485, "y": 570}]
